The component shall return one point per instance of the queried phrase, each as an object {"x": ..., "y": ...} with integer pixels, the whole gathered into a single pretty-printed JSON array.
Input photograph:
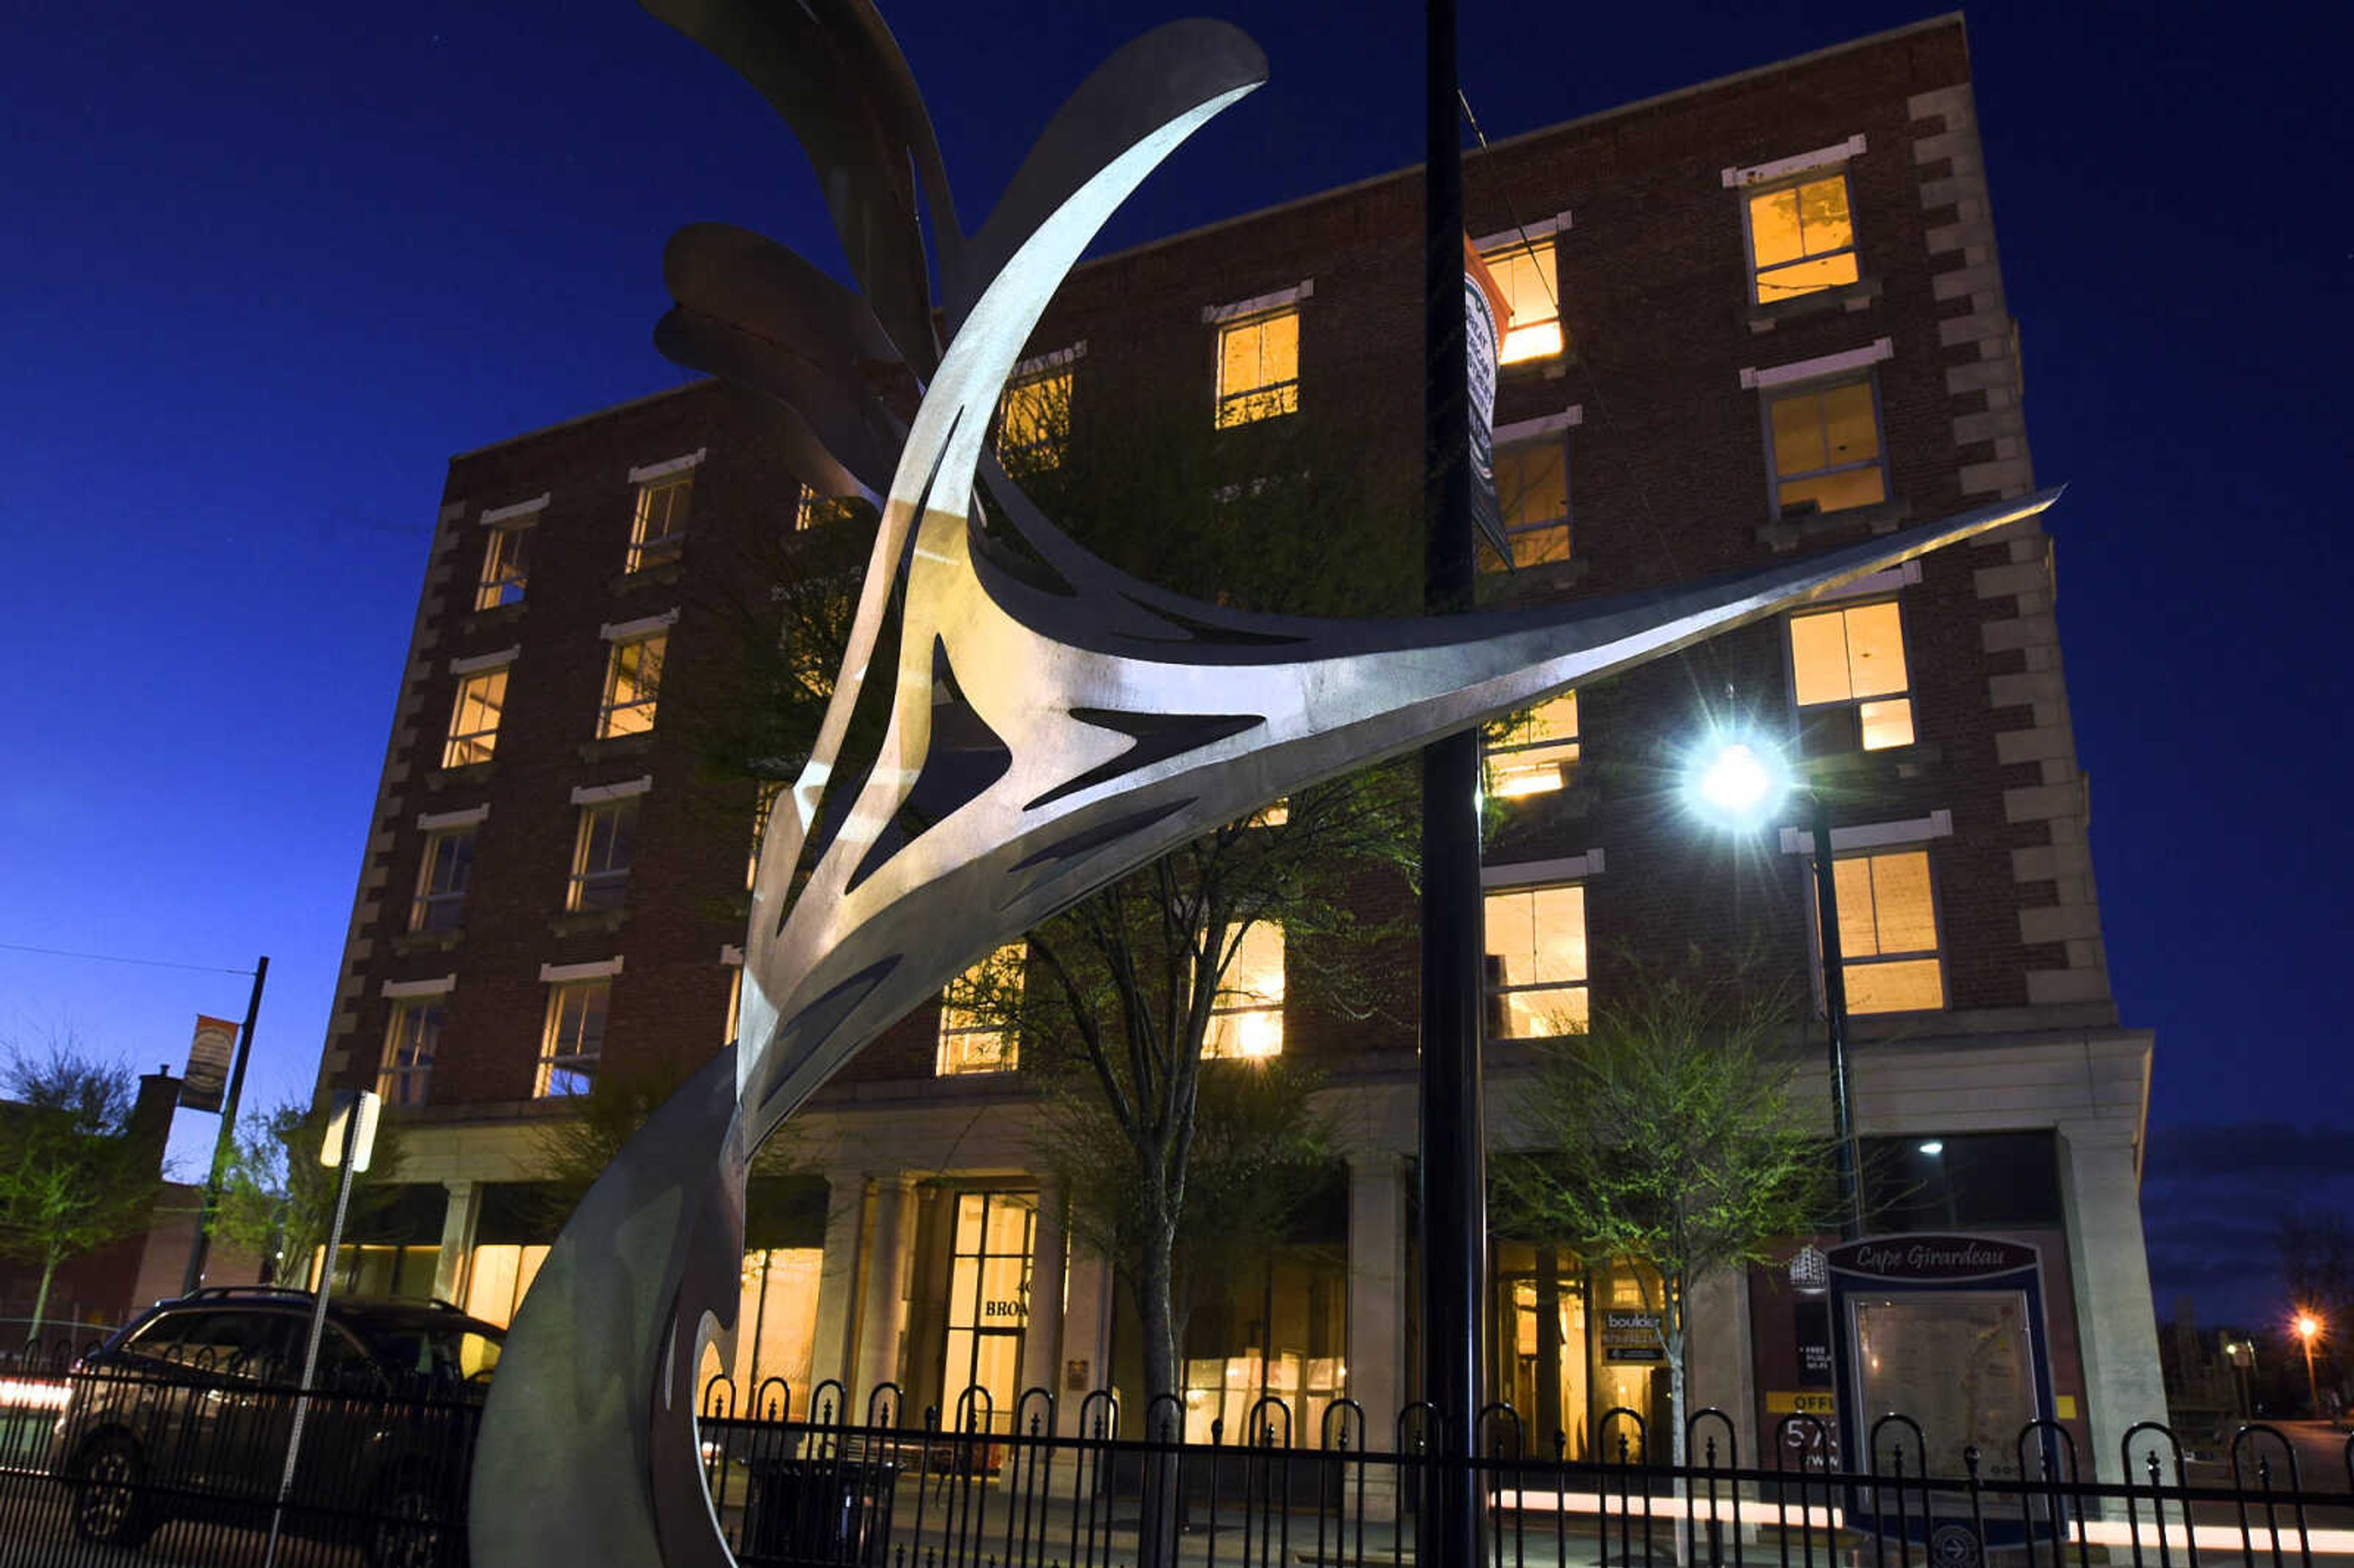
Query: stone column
[
  {"x": 2116, "y": 1321},
  {"x": 1087, "y": 1338},
  {"x": 458, "y": 1219},
  {"x": 884, "y": 1320},
  {"x": 1722, "y": 1362},
  {"x": 1377, "y": 1287},
  {"x": 1042, "y": 1334},
  {"x": 834, "y": 1337}
]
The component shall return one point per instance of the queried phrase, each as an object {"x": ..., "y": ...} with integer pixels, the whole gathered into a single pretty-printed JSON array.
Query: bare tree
[{"x": 72, "y": 1179}]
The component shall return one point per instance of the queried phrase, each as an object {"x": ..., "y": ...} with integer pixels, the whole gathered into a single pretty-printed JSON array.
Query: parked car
[{"x": 186, "y": 1412}]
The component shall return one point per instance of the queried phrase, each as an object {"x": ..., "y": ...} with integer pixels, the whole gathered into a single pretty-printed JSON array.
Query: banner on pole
[
  {"x": 209, "y": 1052},
  {"x": 1487, "y": 316}
]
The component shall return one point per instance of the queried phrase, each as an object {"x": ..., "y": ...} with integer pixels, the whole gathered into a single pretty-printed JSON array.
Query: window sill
[
  {"x": 581, "y": 922},
  {"x": 661, "y": 573},
  {"x": 472, "y": 775},
  {"x": 1858, "y": 295},
  {"x": 636, "y": 745},
  {"x": 489, "y": 620},
  {"x": 1572, "y": 800},
  {"x": 1789, "y": 533},
  {"x": 1542, "y": 367},
  {"x": 409, "y": 942}
]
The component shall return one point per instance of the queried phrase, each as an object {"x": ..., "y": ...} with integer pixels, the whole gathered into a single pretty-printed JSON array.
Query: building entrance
[{"x": 989, "y": 1307}]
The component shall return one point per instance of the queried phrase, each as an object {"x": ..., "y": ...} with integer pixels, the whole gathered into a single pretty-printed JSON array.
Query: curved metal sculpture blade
[{"x": 1055, "y": 739}]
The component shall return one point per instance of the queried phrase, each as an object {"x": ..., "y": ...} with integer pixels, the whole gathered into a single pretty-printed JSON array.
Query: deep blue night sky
[{"x": 268, "y": 266}]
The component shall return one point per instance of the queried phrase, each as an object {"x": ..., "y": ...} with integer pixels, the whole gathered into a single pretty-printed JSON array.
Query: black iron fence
[
  {"x": 105, "y": 1467},
  {"x": 189, "y": 1465}
]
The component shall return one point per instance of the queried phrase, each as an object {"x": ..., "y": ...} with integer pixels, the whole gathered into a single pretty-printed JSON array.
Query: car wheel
[
  {"x": 411, "y": 1532},
  {"x": 110, "y": 1505}
]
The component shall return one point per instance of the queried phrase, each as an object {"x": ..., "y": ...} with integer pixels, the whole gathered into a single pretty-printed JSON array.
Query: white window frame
[
  {"x": 1533, "y": 877},
  {"x": 1544, "y": 233},
  {"x": 1843, "y": 605},
  {"x": 609, "y": 884},
  {"x": 1235, "y": 1015},
  {"x": 405, "y": 1070},
  {"x": 428, "y": 900},
  {"x": 1522, "y": 434},
  {"x": 464, "y": 747},
  {"x": 951, "y": 1047},
  {"x": 656, "y": 630},
  {"x": 1048, "y": 451},
  {"x": 1812, "y": 378},
  {"x": 585, "y": 1062},
  {"x": 1799, "y": 169},
  {"x": 1254, "y": 311},
  {"x": 676, "y": 479}
]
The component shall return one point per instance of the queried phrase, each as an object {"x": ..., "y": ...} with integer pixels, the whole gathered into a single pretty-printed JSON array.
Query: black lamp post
[
  {"x": 1454, "y": 1230},
  {"x": 1742, "y": 784}
]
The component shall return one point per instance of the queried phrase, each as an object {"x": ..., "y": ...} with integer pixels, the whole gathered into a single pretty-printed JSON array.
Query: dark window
[{"x": 1971, "y": 1181}]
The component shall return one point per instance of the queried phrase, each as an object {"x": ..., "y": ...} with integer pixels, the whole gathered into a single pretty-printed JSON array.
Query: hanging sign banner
[
  {"x": 202, "y": 1085},
  {"x": 1487, "y": 316}
]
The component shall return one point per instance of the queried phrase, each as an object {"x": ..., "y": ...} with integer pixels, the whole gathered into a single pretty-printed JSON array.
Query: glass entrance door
[{"x": 989, "y": 1307}]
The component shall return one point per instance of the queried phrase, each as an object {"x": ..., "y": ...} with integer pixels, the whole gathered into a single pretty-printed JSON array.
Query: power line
[{"x": 119, "y": 959}]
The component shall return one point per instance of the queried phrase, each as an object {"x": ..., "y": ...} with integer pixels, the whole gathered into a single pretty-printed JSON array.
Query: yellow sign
[{"x": 1810, "y": 1402}]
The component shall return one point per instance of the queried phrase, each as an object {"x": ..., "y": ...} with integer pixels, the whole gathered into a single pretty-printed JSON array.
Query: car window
[
  {"x": 234, "y": 1343},
  {"x": 438, "y": 1351},
  {"x": 343, "y": 1365},
  {"x": 158, "y": 1337}
]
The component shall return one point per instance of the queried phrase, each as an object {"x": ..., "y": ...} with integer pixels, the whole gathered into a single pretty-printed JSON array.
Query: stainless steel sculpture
[{"x": 1053, "y": 723}]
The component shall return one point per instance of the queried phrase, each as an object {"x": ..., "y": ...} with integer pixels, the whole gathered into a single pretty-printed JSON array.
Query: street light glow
[
  {"x": 1934, "y": 1146},
  {"x": 2307, "y": 1326},
  {"x": 1740, "y": 785}
]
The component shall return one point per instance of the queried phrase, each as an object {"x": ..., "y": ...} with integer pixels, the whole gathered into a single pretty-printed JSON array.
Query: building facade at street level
[{"x": 1751, "y": 320}]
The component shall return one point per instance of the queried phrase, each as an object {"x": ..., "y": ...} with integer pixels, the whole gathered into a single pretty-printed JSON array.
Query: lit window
[
  {"x": 1246, "y": 1019},
  {"x": 1801, "y": 238},
  {"x": 974, "y": 1011},
  {"x": 506, "y": 568},
  {"x": 1825, "y": 444},
  {"x": 474, "y": 718},
  {"x": 1524, "y": 272},
  {"x": 1536, "y": 961},
  {"x": 574, "y": 1037},
  {"x": 601, "y": 853},
  {"x": 989, "y": 1304},
  {"x": 1854, "y": 658},
  {"x": 447, "y": 865},
  {"x": 1538, "y": 751},
  {"x": 1259, "y": 367},
  {"x": 1034, "y": 425},
  {"x": 409, "y": 1042},
  {"x": 632, "y": 682},
  {"x": 659, "y": 531},
  {"x": 1533, "y": 497},
  {"x": 1888, "y": 932}
]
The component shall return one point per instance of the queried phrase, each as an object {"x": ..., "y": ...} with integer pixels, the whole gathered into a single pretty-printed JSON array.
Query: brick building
[{"x": 1758, "y": 316}]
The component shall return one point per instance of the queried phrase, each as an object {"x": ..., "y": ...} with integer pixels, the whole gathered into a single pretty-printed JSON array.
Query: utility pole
[
  {"x": 1454, "y": 1219},
  {"x": 224, "y": 1144}
]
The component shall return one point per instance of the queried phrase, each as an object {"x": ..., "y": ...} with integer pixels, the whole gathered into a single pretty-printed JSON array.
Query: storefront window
[
  {"x": 1274, "y": 1325},
  {"x": 988, "y": 1307},
  {"x": 1573, "y": 1344},
  {"x": 501, "y": 1275}
]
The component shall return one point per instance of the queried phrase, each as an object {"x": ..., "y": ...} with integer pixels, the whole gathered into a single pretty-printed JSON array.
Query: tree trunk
[
  {"x": 1158, "y": 1518},
  {"x": 1676, "y": 1342},
  {"x": 41, "y": 1296}
]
